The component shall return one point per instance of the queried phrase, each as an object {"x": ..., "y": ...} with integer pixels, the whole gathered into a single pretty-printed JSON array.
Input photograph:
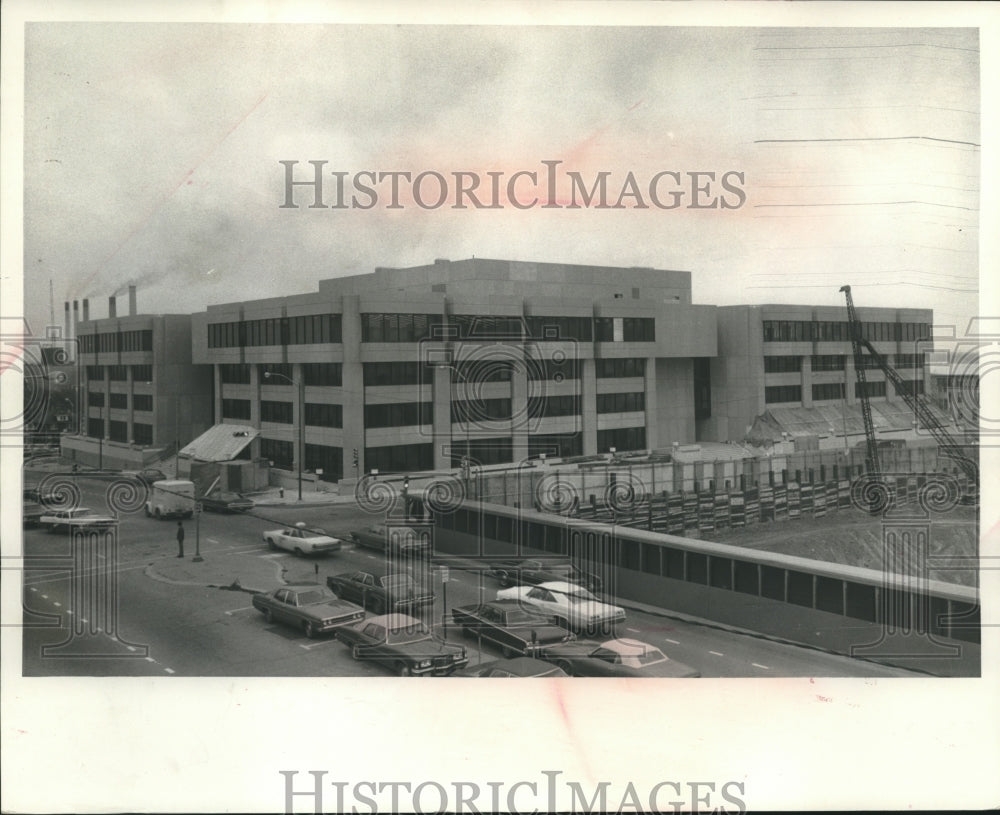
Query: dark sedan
[
  {"x": 531, "y": 572},
  {"x": 380, "y": 592},
  {"x": 404, "y": 645},
  {"x": 313, "y": 609},
  {"x": 509, "y": 626},
  {"x": 620, "y": 657},
  {"x": 226, "y": 502},
  {"x": 394, "y": 539},
  {"x": 510, "y": 668}
]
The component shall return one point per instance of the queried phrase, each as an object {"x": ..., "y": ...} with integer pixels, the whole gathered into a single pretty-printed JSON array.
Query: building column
[
  {"x": 441, "y": 417},
  {"x": 588, "y": 405},
  {"x": 298, "y": 416},
  {"x": 652, "y": 404},
  {"x": 217, "y": 394},
  {"x": 519, "y": 399},
  {"x": 352, "y": 387},
  {"x": 807, "y": 380},
  {"x": 130, "y": 390},
  {"x": 106, "y": 410},
  {"x": 850, "y": 378}
]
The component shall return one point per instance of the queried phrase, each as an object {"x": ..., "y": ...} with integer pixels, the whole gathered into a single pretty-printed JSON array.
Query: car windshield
[
  {"x": 645, "y": 656},
  {"x": 315, "y": 596},
  {"x": 413, "y": 632}
]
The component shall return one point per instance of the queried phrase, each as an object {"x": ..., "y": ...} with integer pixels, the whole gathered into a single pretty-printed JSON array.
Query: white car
[
  {"x": 302, "y": 541},
  {"x": 572, "y": 606},
  {"x": 66, "y": 518}
]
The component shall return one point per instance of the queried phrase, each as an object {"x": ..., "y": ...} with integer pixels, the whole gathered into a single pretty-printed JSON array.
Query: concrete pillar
[
  {"x": 652, "y": 405},
  {"x": 807, "y": 379},
  {"x": 518, "y": 401},
  {"x": 298, "y": 417},
  {"x": 588, "y": 405},
  {"x": 217, "y": 391},
  {"x": 353, "y": 387},
  {"x": 441, "y": 388}
]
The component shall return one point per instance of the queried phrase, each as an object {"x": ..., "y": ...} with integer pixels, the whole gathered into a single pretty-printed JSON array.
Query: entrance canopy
[{"x": 223, "y": 442}]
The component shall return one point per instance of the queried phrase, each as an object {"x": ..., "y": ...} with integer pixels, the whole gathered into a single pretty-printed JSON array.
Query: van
[{"x": 171, "y": 499}]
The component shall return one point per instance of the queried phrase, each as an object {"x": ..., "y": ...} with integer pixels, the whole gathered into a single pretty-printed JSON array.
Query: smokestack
[
  {"x": 86, "y": 309},
  {"x": 76, "y": 317},
  {"x": 66, "y": 333},
  {"x": 112, "y": 306},
  {"x": 131, "y": 299}
]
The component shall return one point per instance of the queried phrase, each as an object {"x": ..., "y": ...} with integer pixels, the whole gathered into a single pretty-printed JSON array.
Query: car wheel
[
  {"x": 565, "y": 667},
  {"x": 310, "y": 629},
  {"x": 505, "y": 581},
  {"x": 355, "y": 652},
  {"x": 561, "y": 621},
  {"x": 402, "y": 669},
  {"x": 52, "y": 527},
  {"x": 147, "y": 511},
  {"x": 271, "y": 545},
  {"x": 298, "y": 552},
  {"x": 269, "y": 615},
  {"x": 157, "y": 514}
]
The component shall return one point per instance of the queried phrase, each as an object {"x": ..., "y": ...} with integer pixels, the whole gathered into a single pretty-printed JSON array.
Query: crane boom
[{"x": 872, "y": 460}]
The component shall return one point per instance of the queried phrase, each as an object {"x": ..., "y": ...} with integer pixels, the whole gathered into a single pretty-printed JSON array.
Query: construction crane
[{"x": 947, "y": 446}]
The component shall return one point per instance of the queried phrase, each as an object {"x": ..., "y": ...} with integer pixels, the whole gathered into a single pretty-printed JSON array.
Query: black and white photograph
[{"x": 624, "y": 341}]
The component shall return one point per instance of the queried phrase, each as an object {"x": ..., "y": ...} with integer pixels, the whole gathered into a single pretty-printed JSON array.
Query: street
[{"x": 180, "y": 617}]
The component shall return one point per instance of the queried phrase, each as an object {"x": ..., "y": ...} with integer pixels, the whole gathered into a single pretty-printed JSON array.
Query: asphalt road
[{"x": 185, "y": 629}]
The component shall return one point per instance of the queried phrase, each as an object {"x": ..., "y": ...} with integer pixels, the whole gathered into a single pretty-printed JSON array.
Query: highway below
[{"x": 177, "y": 617}]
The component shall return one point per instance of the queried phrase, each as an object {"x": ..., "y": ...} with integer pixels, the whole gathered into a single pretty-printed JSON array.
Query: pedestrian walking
[{"x": 180, "y": 539}]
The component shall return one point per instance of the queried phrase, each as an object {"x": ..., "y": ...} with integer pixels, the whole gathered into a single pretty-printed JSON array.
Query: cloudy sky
[{"x": 152, "y": 155}]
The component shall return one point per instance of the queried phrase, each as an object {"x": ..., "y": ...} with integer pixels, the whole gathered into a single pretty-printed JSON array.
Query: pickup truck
[{"x": 381, "y": 593}]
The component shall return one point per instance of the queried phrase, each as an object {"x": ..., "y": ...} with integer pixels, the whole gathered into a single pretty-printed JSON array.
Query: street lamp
[{"x": 302, "y": 419}]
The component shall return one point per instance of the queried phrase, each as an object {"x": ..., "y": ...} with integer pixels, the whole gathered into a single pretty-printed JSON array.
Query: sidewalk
[{"x": 272, "y": 497}]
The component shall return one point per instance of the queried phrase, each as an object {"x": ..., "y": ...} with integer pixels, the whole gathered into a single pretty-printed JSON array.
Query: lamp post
[{"x": 302, "y": 420}]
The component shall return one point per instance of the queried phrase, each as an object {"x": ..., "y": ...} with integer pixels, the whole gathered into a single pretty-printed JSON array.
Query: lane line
[
  {"x": 310, "y": 646},
  {"x": 58, "y": 605},
  {"x": 45, "y": 597},
  {"x": 210, "y": 540},
  {"x": 130, "y": 647},
  {"x": 672, "y": 642},
  {"x": 716, "y": 653},
  {"x": 84, "y": 620},
  {"x": 758, "y": 665},
  {"x": 32, "y": 588},
  {"x": 69, "y": 611},
  {"x": 150, "y": 659},
  {"x": 231, "y": 612},
  {"x": 633, "y": 630},
  {"x": 169, "y": 670}
]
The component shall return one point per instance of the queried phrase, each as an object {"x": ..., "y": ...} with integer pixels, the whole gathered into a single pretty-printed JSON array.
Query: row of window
[
  {"x": 828, "y": 331},
  {"x": 562, "y": 445},
  {"x": 119, "y": 373},
  {"x": 119, "y": 401},
  {"x": 621, "y": 402},
  {"x": 401, "y": 414},
  {"x": 400, "y": 458},
  {"x": 309, "y": 329},
  {"x": 273, "y": 411},
  {"x": 483, "y": 451},
  {"x": 472, "y": 411},
  {"x": 622, "y": 438},
  {"x": 396, "y": 373},
  {"x": 377, "y": 327},
  {"x": 828, "y": 390},
  {"x": 540, "y": 407},
  {"x": 140, "y": 340},
  {"x": 836, "y": 362},
  {"x": 323, "y": 374},
  {"x": 620, "y": 368},
  {"x": 381, "y": 327},
  {"x": 777, "y": 394},
  {"x": 624, "y": 329},
  {"x": 321, "y": 415}
]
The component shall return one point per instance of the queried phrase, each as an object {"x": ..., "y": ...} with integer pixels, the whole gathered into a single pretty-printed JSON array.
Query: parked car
[
  {"x": 301, "y": 540},
  {"x": 510, "y": 668},
  {"x": 402, "y": 540},
  {"x": 531, "y": 572},
  {"x": 619, "y": 657},
  {"x": 571, "y": 606},
  {"x": 148, "y": 476},
  {"x": 509, "y": 626},
  {"x": 66, "y": 518},
  {"x": 314, "y": 609},
  {"x": 403, "y": 644},
  {"x": 379, "y": 592},
  {"x": 226, "y": 502}
]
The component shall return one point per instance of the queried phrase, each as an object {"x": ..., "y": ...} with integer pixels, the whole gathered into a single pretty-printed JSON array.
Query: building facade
[
  {"x": 801, "y": 356},
  {"x": 414, "y": 369}
]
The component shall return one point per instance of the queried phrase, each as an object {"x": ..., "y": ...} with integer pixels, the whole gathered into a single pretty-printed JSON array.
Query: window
[
  {"x": 789, "y": 330},
  {"x": 142, "y": 433},
  {"x": 328, "y": 459},
  {"x": 560, "y": 328},
  {"x": 904, "y": 361},
  {"x": 142, "y": 373},
  {"x": 542, "y": 406},
  {"x": 551, "y": 370},
  {"x": 400, "y": 458},
  {"x": 872, "y": 389},
  {"x": 479, "y": 371},
  {"x": 135, "y": 340},
  {"x": 234, "y": 374},
  {"x": 561, "y": 445},
  {"x": 142, "y": 401},
  {"x": 236, "y": 409},
  {"x": 396, "y": 373},
  {"x": 95, "y": 372},
  {"x": 621, "y": 402},
  {"x": 271, "y": 411},
  {"x": 86, "y": 343},
  {"x": 828, "y": 390},
  {"x": 118, "y": 431},
  {"x": 639, "y": 329},
  {"x": 401, "y": 414},
  {"x": 828, "y": 362},
  {"x": 319, "y": 415},
  {"x": 311, "y": 329},
  {"x": 95, "y": 399},
  {"x": 623, "y": 438},
  {"x": 480, "y": 410},
  {"x": 471, "y": 326},
  {"x": 118, "y": 373},
  {"x": 913, "y": 387},
  {"x": 604, "y": 329},
  {"x": 620, "y": 368},
  {"x": 782, "y": 393},
  {"x": 118, "y": 400},
  {"x": 225, "y": 335},
  {"x": 324, "y": 374},
  {"x": 483, "y": 451},
  {"x": 782, "y": 365},
  {"x": 397, "y": 327},
  {"x": 95, "y": 428},
  {"x": 280, "y": 452}
]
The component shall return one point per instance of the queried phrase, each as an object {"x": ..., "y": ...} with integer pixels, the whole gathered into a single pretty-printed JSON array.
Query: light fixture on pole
[{"x": 302, "y": 418}]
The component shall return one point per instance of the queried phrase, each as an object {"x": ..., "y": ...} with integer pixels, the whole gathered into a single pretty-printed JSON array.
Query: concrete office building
[
  {"x": 775, "y": 357},
  {"x": 141, "y": 397},
  {"x": 494, "y": 359}
]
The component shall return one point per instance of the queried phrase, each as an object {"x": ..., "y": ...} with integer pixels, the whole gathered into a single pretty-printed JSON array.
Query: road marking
[
  {"x": 32, "y": 588},
  {"x": 716, "y": 653},
  {"x": 672, "y": 642},
  {"x": 270, "y": 556},
  {"x": 210, "y": 540},
  {"x": 45, "y": 597},
  {"x": 633, "y": 630},
  {"x": 58, "y": 605},
  {"x": 69, "y": 611},
  {"x": 150, "y": 659},
  {"x": 231, "y": 612},
  {"x": 758, "y": 665},
  {"x": 84, "y": 620},
  {"x": 371, "y": 556},
  {"x": 169, "y": 670},
  {"x": 310, "y": 646},
  {"x": 130, "y": 647}
]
